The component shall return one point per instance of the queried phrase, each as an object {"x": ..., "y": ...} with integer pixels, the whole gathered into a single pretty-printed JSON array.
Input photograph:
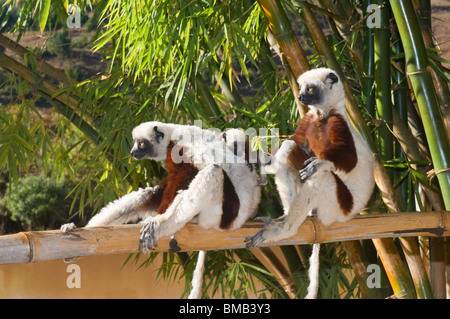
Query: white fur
[
  {"x": 197, "y": 278},
  {"x": 207, "y": 151},
  {"x": 318, "y": 192},
  {"x": 313, "y": 273}
]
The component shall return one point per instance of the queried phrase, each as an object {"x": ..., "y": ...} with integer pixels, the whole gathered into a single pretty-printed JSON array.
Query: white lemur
[
  {"x": 326, "y": 169},
  {"x": 205, "y": 180}
]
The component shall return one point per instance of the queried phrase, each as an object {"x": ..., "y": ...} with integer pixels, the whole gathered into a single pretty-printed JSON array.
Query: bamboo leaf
[{"x": 44, "y": 13}]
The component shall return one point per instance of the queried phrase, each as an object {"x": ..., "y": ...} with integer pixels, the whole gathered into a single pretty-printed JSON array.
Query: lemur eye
[
  {"x": 310, "y": 90},
  {"x": 141, "y": 144}
]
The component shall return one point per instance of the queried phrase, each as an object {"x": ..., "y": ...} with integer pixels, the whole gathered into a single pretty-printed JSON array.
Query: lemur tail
[
  {"x": 197, "y": 278},
  {"x": 313, "y": 273}
]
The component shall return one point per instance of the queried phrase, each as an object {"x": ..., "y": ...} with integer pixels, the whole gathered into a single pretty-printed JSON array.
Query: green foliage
[
  {"x": 38, "y": 203},
  {"x": 60, "y": 44},
  {"x": 179, "y": 61}
]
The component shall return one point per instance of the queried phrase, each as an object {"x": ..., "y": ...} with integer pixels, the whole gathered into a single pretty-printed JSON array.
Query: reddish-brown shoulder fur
[
  {"x": 327, "y": 138},
  {"x": 179, "y": 176},
  {"x": 298, "y": 155}
]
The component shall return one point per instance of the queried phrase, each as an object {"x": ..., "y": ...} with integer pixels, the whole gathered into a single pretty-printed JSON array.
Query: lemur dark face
[
  {"x": 321, "y": 88},
  {"x": 151, "y": 140}
]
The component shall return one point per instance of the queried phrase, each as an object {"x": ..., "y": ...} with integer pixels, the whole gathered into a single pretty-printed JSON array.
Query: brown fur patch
[
  {"x": 230, "y": 203},
  {"x": 180, "y": 175},
  {"x": 344, "y": 197}
]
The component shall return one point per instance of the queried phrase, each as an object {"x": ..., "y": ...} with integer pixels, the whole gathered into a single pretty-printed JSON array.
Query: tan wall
[{"x": 100, "y": 277}]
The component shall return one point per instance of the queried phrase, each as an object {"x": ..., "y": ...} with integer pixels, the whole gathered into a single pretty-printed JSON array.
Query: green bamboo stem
[
  {"x": 368, "y": 76},
  {"x": 440, "y": 84},
  {"x": 383, "y": 85},
  {"x": 401, "y": 106},
  {"x": 422, "y": 84}
]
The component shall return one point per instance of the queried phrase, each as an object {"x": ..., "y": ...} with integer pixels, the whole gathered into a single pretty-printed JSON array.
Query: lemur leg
[
  {"x": 312, "y": 195},
  {"x": 203, "y": 195},
  {"x": 128, "y": 208}
]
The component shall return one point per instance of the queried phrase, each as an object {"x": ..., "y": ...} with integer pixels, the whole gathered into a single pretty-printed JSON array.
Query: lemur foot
[
  {"x": 143, "y": 193},
  {"x": 310, "y": 166},
  {"x": 271, "y": 231},
  {"x": 68, "y": 227},
  {"x": 148, "y": 239}
]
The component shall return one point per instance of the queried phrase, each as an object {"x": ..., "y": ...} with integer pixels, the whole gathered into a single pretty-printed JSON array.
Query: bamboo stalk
[
  {"x": 396, "y": 272},
  {"x": 36, "y": 81},
  {"x": 281, "y": 28},
  {"x": 65, "y": 104},
  {"x": 41, "y": 65},
  {"x": 383, "y": 85},
  {"x": 437, "y": 267},
  {"x": 358, "y": 260},
  {"x": 36, "y": 246},
  {"x": 417, "y": 269},
  {"x": 442, "y": 88},
  {"x": 422, "y": 84},
  {"x": 290, "y": 49},
  {"x": 368, "y": 74},
  {"x": 268, "y": 258}
]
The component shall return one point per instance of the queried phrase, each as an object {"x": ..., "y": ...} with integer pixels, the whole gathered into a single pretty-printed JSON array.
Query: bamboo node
[
  {"x": 314, "y": 228},
  {"x": 432, "y": 173},
  {"x": 31, "y": 245},
  {"x": 281, "y": 35}
]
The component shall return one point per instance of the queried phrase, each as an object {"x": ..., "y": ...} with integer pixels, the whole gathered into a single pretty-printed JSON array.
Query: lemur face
[
  {"x": 321, "y": 88},
  {"x": 151, "y": 140}
]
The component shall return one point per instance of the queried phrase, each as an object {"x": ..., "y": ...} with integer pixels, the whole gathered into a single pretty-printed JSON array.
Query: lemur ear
[
  {"x": 159, "y": 134},
  {"x": 331, "y": 79}
]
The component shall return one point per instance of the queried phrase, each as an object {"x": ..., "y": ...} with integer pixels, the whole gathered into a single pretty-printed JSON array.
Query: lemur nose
[{"x": 304, "y": 98}]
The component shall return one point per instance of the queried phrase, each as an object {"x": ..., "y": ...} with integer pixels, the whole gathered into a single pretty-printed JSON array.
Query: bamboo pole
[
  {"x": 290, "y": 48},
  {"x": 41, "y": 65},
  {"x": 422, "y": 84},
  {"x": 383, "y": 85},
  {"x": 37, "y": 246}
]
